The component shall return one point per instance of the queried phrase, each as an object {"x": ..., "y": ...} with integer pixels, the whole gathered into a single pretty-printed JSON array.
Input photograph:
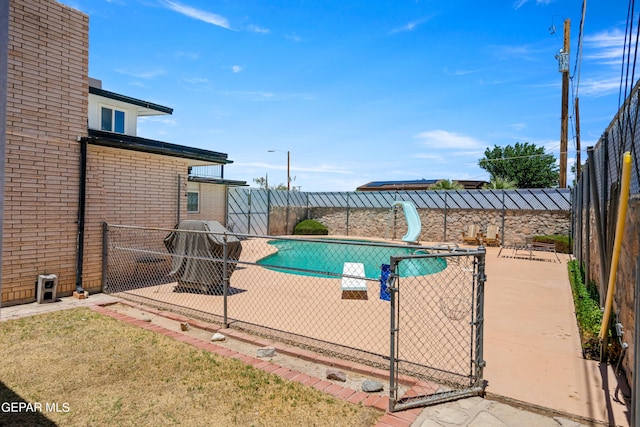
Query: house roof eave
[
  {"x": 136, "y": 143},
  {"x": 133, "y": 101}
]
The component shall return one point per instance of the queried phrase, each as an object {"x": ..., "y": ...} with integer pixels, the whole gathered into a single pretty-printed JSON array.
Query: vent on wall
[{"x": 47, "y": 288}]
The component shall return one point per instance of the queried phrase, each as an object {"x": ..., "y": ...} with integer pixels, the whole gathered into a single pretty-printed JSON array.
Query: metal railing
[{"x": 326, "y": 295}]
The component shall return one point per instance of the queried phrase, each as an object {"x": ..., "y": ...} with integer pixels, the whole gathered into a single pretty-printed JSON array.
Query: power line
[
  {"x": 578, "y": 64},
  {"x": 627, "y": 31}
]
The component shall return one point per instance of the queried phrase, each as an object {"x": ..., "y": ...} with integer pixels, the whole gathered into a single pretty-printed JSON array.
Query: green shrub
[
  {"x": 588, "y": 313},
  {"x": 564, "y": 244},
  {"x": 310, "y": 226}
]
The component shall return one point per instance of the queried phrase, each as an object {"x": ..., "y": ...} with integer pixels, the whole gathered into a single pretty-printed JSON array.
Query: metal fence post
[
  {"x": 598, "y": 219},
  {"x": 347, "y": 219},
  {"x": 587, "y": 227},
  {"x": 179, "y": 193},
  {"x": 105, "y": 253},
  {"x": 286, "y": 221},
  {"x": 393, "y": 330},
  {"x": 444, "y": 237},
  {"x": 249, "y": 211},
  {"x": 225, "y": 280},
  {"x": 268, "y": 212},
  {"x": 479, "y": 321},
  {"x": 504, "y": 209},
  {"x": 308, "y": 208}
]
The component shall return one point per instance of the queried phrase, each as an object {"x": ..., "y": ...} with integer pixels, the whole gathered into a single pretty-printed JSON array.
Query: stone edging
[{"x": 397, "y": 419}]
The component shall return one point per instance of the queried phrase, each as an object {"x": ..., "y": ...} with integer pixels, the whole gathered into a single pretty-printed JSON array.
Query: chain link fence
[
  {"x": 332, "y": 296},
  {"x": 596, "y": 199},
  {"x": 265, "y": 212}
]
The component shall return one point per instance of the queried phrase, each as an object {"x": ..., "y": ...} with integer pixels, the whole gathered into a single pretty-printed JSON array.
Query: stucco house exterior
[{"x": 73, "y": 159}]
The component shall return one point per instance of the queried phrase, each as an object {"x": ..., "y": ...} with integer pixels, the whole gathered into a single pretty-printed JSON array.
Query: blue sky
[{"x": 357, "y": 91}]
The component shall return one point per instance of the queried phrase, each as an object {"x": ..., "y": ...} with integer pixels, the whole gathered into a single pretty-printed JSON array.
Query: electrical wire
[
  {"x": 578, "y": 63},
  {"x": 627, "y": 31}
]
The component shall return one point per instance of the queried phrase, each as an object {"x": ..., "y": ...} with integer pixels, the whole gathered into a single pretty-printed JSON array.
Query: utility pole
[
  {"x": 578, "y": 165},
  {"x": 563, "y": 59}
]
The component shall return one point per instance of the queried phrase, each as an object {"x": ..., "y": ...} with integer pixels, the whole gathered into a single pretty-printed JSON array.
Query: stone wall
[{"x": 437, "y": 225}]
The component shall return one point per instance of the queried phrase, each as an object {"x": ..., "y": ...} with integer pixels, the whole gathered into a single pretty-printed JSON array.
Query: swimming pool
[{"x": 326, "y": 258}]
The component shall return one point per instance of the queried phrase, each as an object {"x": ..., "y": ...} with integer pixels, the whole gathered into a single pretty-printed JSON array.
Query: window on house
[
  {"x": 193, "y": 201},
  {"x": 112, "y": 120}
]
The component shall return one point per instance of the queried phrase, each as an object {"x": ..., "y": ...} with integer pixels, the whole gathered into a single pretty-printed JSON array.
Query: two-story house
[{"x": 73, "y": 160}]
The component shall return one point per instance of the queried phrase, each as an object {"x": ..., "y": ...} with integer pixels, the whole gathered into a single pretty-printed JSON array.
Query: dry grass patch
[{"x": 110, "y": 373}]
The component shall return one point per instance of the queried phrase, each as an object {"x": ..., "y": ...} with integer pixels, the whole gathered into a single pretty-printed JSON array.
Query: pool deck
[{"x": 531, "y": 347}]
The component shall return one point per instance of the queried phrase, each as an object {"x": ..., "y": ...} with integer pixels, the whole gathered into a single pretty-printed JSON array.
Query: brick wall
[
  {"x": 213, "y": 202},
  {"x": 47, "y": 89},
  {"x": 127, "y": 187}
]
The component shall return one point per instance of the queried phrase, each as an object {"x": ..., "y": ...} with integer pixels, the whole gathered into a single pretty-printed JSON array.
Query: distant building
[{"x": 413, "y": 185}]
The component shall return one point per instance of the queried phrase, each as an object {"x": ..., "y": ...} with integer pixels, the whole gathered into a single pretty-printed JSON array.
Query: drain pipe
[{"x": 81, "y": 213}]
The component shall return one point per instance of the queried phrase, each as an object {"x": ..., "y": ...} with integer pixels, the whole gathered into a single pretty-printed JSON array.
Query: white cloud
[
  {"x": 200, "y": 83},
  {"x": 236, "y": 68},
  {"x": 256, "y": 29},
  {"x": 592, "y": 87},
  {"x": 200, "y": 15},
  {"x": 518, "y": 126},
  {"x": 510, "y": 53},
  {"x": 409, "y": 27},
  {"x": 449, "y": 140},
  {"x": 429, "y": 157},
  {"x": 605, "y": 46},
  {"x": 293, "y": 37},
  {"x": 519, "y": 3},
  {"x": 188, "y": 55},
  {"x": 149, "y": 74},
  {"x": 267, "y": 96},
  {"x": 163, "y": 120},
  {"x": 461, "y": 72}
]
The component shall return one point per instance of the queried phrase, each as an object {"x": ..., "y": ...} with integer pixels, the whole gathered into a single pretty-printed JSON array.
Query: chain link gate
[
  {"x": 433, "y": 305},
  {"x": 437, "y": 329}
]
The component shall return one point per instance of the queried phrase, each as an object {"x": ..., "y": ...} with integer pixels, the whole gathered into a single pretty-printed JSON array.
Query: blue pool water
[{"x": 326, "y": 259}]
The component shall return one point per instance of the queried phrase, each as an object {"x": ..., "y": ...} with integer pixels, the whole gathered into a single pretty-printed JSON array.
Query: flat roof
[
  {"x": 136, "y": 143},
  {"x": 122, "y": 98}
]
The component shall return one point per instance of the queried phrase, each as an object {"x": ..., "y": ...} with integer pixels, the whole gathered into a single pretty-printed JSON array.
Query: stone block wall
[{"x": 437, "y": 225}]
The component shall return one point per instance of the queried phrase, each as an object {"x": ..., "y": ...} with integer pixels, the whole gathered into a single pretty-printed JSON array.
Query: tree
[
  {"x": 445, "y": 184},
  {"x": 499, "y": 183},
  {"x": 525, "y": 164},
  {"x": 264, "y": 184}
]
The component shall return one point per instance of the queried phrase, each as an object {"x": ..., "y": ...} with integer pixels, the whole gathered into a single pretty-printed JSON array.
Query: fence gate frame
[{"x": 477, "y": 384}]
